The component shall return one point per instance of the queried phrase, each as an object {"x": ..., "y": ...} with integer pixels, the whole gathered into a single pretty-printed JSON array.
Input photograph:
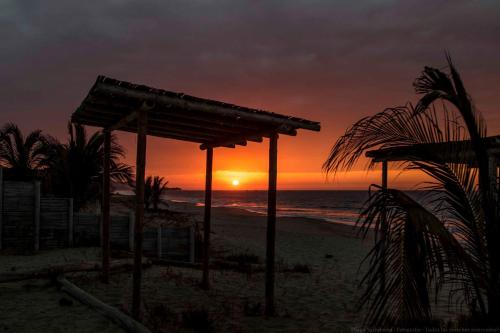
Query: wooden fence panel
[
  {"x": 54, "y": 223},
  {"x": 30, "y": 222},
  {"x": 18, "y": 216},
  {"x": 87, "y": 229},
  {"x": 150, "y": 242},
  {"x": 176, "y": 243},
  {"x": 120, "y": 232}
]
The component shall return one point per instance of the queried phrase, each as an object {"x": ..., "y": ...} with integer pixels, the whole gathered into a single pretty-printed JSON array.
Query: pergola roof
[
  {"x": 446, "y": 151},
  {"x": 113, "y": 105}
]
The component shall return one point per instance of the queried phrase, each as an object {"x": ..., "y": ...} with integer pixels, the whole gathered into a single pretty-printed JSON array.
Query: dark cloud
[{"x": 332, "y": 61}]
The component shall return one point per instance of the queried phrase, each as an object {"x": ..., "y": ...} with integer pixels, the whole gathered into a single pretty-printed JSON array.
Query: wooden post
[
  {"x": 271, "y": 223},
  {"x": 131, "y": 228},
  {"x": 105, "y": 219},
  {"x": 139, "y": 212},
  {"x": 384, "y": 174},
  {"x": 71, "y": 225},
  {"x": 1, "y": 206},
  {"x": 36, "y": 187},
  {"x": 205, "y": 283}
]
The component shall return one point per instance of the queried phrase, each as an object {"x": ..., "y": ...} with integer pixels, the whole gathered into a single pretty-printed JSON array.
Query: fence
[{"x": 29, "y": 221}]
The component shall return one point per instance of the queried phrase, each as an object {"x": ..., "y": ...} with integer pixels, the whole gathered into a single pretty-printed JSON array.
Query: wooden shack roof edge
[
  {"x": 155, "y": 91},
  {"x": 445, "y": 150},
  {"x": 112, "y": 103}
]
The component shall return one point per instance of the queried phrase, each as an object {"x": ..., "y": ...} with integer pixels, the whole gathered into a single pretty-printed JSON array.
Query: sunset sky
[{"x": 328, "y": 61}]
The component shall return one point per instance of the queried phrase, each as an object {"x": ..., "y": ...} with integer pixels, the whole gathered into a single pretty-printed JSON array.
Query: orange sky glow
[{"x": 328, "y": 61}]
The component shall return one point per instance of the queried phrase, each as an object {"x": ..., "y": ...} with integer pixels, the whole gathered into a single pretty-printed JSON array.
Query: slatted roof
[
  {"x": 446, "y": 151},
  {"x": 113, "y": 105}
]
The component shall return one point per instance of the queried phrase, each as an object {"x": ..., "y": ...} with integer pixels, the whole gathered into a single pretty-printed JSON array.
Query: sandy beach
[{"x": 321, "y": 299}]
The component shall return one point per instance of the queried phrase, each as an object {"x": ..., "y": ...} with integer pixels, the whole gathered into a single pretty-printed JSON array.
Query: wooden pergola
[
  {"x": 117, "y": 105},
  {"x": 445, "y": 152}
]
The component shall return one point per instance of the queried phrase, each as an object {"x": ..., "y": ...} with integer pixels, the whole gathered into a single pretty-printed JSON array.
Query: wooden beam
[
  {"x": 205, "y": 283},
  {"x": 105, "y": 218},
  {"x": 123, "y": 121},
  {"x": 271, "y": 223},
  {"x": 205, "y": 106},
  {"x": 195, "y": 120},
  {"x": 165, "y": 116},
  {"x": 156, "y": 133},
  {"x": 142, "y": 122},
  {"x": 450, "y": 152},
  {"x": 160, "y": 126},
  {"x": 120, "y": 318},
  {"x": 385, "y": 171},
  {"x": 71, "y": 224},
  {"x": 1, "y": 206},
  {"x": 172, "y": 136},
  {"x": 131, "y": 116},
  {"x": 250, "y": 136}
]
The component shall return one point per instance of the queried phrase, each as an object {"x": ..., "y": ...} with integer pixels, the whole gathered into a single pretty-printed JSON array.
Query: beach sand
[
  {"x": 322, "y": 300},
  {"x": 33, "y": 305}
]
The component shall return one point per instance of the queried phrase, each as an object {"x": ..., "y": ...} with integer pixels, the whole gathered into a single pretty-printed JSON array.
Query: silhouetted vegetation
[
  {"x": 76, "y": 167},
  {"x": 153, "y": 190},
  {"x": 24, "y": 157},
  {"x": 416, "y": 256}
]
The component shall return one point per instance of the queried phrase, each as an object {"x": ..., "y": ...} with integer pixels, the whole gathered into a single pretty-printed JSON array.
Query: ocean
[{"x": 331, "y": 206}]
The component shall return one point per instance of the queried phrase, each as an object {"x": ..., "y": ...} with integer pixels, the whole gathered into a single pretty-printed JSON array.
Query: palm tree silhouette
[
  {"x": 153, "y": 190},
  {"x": 76, "y": 169},
  {"x": 23, "y": 157},
  {"x": 416, "y": 254}
]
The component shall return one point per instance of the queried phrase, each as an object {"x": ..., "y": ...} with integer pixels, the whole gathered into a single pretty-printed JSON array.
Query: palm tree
[
  {"x": 77, "y": 165},
  {"x": 159, "y": 186},
  {"x": 24, "y": 157},
  {"x": 153, "y": 190},
  {"x": 415, "y": 255}
]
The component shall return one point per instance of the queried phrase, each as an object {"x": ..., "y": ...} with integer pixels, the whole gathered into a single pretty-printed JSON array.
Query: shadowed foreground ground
[{"x": 323, "y": 299}]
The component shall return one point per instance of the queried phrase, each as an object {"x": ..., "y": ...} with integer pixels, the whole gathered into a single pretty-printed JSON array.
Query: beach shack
[
  {"x": 117, "y": 105},
  {"x": 460, "y": 152}
]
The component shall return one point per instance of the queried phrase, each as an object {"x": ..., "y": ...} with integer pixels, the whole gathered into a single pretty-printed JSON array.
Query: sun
[{"x": 235, "y": 182}]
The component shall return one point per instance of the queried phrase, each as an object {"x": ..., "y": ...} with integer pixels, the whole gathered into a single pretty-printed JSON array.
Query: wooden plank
[
  {"x": 120, "y": 318},
  {"x": 123, "y": 121},
  {"x": 36, "y": 215},
  {"x": 191, "y": 120},
  {"x": 450, "y": 151},
  {"x": 142, "y": 122},
  {"x": 256, "y": 135},
  {"x": 106, "y": 247},
  {"x": 206, "y": 219},
  {"x": 208, "y": 108},
  {"x": 271, "y": 224},
  {"x": 384, "y": 174},
  {"x": 1, "y": 207},
  {"x": 71, "y": 225},
  {"x": 177, "y": 126}
]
